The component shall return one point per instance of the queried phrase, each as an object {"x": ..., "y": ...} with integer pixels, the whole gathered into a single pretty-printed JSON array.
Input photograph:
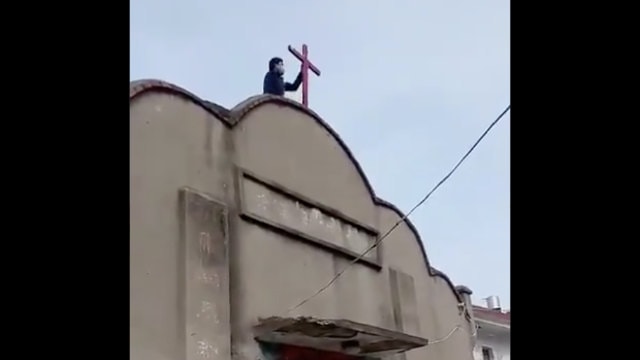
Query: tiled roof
[{"x": 496, "y": 316}]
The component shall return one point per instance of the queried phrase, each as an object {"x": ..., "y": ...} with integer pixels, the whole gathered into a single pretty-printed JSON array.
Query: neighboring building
[
  {"x": 494, "y": 331},
  {"x": 237, "y": 215}
]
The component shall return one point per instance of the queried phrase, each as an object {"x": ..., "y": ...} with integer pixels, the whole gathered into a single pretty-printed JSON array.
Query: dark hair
[{"x": 273, "y": 62}]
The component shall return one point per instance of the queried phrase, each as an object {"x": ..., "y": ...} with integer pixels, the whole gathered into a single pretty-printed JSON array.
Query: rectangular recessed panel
[
  {"x": 403, "y": 302},
  {"x": 287, "y": 212},
  {"x": 409, "y": 306},
  {"x": 206, "y": 270},
  {"x": 395, "y": 299}
]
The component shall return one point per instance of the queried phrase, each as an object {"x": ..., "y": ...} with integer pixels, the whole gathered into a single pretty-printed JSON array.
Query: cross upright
[{"x": 306, "y": 65}]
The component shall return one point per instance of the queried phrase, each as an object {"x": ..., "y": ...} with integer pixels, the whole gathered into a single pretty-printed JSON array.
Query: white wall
[{"x": 501, "y": 347}]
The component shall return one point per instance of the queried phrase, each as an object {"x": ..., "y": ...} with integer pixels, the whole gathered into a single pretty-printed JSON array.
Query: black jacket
[{"x": 274, "y": 84}]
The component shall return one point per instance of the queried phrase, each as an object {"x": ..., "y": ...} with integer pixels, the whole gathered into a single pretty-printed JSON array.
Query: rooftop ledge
[{"x": 341, "y": 336}]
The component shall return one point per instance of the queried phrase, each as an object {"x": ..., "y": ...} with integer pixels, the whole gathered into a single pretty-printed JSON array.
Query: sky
[{"x": 409, "y": 86}]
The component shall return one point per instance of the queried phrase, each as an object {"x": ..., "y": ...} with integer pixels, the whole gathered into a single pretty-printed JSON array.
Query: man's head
[{"x": 276, "y": 65}]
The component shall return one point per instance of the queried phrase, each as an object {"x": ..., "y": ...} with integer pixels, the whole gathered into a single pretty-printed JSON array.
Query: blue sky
[{"x": 409, "y": 85}]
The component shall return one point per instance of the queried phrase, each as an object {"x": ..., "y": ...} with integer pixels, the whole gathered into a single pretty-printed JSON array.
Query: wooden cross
[{"x": 306, "y": 65}]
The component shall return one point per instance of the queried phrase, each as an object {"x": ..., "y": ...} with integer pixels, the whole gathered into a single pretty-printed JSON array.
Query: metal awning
[{"x": 342, "y": 336}]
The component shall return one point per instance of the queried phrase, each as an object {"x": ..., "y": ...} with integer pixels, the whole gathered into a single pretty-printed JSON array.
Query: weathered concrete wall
[
  {"x": 289, "y": 148},
  {"x": 436, "y": 307},
  {"x": 173, "y": 145},
  {"x": 298, "y": 209}
]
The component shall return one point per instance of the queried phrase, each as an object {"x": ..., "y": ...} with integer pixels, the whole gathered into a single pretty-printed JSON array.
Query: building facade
[
  {"x": 239, "y": 219},
  {"x": 493, "y": 334}
]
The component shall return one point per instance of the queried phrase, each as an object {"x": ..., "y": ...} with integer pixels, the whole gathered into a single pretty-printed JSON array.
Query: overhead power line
[{"x": 404, "y": 218}]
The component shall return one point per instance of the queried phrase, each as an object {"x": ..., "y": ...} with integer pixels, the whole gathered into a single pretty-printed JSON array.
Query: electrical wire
[
  {"x": 404, "y": 218},
  {"x": 457, "y": 327}
]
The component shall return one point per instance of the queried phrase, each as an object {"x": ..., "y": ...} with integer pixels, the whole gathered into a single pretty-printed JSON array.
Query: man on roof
[{"x": 274, "y": 79}]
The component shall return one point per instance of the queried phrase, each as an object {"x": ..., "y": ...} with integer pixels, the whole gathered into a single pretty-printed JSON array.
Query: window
[{"x": 487, "y": 353}]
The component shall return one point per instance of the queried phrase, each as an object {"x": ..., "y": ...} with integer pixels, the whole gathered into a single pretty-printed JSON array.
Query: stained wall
[{"x": 243, "y": 213}]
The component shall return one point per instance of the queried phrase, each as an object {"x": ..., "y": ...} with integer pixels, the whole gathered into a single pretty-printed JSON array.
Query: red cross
[{"x": 306, "y": 65}]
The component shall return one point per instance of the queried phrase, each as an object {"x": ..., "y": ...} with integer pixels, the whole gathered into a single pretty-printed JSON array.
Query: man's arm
[{"x": 295, "y": 85}]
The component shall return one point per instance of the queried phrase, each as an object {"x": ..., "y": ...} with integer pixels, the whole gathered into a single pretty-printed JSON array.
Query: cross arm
[{"x": 302, "y": 59}]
